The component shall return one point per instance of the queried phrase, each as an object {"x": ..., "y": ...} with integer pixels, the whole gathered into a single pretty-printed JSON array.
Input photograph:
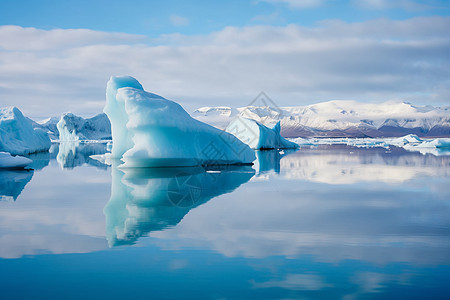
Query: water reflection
[
  {"x": 152, "y": 199},
  {"x": 349, "y": 165},
  {"x": 269, "y": 160},
  {"x": 74, "y": 154},
  {"x": 334, "y": 204},
  {"x": 12, "y": 182},
  {"x": 326, "y": 223}
]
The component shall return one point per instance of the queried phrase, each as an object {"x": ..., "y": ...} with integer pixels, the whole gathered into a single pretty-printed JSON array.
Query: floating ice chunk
[
  {"x": 8, "y": 161},
  {"x": 258, "y": 136},
  {"x": 17, "y": 136},
  {"x": 151, "y": 131},
  {"x": 75, "y": 128},
  {"x": 436, "y": 143},
  {"x": 410, "y": 139},
  {"x": 438, "y": 146}
]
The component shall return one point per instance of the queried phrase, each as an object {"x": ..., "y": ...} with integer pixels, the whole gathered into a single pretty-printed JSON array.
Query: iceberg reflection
[
  {"x": 74, "y": 154},
  {"x": 12, "y": 182},
  {"x": 349, "y": 165},
  {"x": 269, "y": 160},
  {"x": 151, "y": 199}
]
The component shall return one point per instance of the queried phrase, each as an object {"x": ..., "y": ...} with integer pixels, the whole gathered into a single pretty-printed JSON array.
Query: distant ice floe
[{"x": 411, "y": 142}]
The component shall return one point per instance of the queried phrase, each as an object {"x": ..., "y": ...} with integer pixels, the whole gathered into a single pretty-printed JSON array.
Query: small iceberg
[
  {"x": 151, "y": 131},
  {"x": 258, "y": 136},
  {"x": 74, "y": 128}
]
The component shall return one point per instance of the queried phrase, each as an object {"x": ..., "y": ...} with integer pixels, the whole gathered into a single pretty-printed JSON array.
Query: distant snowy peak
[
  {"x": 74, "y": 128},
  {"x": 217, "y": 116},
  {"x": 340, "y": 118},
  {"x": 213, "y": 111}
]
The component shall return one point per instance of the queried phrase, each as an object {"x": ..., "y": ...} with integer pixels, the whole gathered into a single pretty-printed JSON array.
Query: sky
[{"x": 57, "y": 56}]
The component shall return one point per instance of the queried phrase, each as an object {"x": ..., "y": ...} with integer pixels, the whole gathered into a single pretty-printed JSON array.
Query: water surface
[{"x": 327, "y": 222}]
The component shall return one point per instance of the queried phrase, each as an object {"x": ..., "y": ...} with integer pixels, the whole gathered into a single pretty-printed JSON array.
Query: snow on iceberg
[
  {"x": 151, "y": 131},
  {"x": 258, "y": 136},
  {"x": 75, "y": 128},
  {"x": 17, "y": 135},
  {"x": 12, "y": 162}
]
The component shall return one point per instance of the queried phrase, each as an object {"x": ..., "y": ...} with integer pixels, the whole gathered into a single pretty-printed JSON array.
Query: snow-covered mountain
[{"x": 340, "y": 118}]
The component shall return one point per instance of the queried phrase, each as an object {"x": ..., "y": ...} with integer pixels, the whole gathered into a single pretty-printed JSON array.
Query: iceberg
[
  {"x": 13, "y": 162},
  {"x": 17, "y": 135},
  {"x": 75, "y": 128},
  {"x": 258, "y": 136},
  {"x": 151, "y": 131}
]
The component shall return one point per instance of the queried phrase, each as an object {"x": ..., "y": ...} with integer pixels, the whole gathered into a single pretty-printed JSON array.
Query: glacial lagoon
[{"x": 327, "y": 222}]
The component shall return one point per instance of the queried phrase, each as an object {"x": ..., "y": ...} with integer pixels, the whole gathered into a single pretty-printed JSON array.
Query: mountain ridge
[{"x": 340, "y": 118}]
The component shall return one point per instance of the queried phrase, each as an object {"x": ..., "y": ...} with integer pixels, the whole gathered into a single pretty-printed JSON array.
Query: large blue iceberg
[{"x": 151, "y": 131}]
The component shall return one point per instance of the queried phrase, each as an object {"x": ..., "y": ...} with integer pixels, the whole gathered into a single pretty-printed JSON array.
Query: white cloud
[
  {"x": 298, "y": 4},
  {"x": 297, "y": 282},
  {"x": 49, "y": 72},
  {"x": 408, "y": 5},
  {"x": 178, "y": 20},
  {"x": 16, "y": 38}
]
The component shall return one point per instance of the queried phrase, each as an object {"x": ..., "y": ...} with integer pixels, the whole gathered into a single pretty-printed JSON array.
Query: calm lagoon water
[{"x": 320, "y": 223}]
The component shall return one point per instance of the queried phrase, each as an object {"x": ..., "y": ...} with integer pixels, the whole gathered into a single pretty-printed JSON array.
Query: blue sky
[
  {"x": 154, "y": 18},
  {"x": 207, "y": 53}
]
